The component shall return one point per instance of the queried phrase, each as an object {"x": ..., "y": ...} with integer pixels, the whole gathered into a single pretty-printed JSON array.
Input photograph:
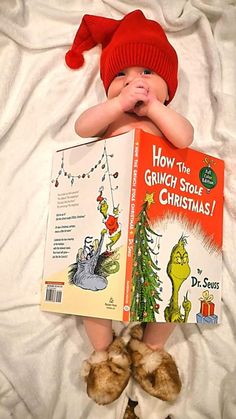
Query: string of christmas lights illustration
[{"x": 102, "y": 162}]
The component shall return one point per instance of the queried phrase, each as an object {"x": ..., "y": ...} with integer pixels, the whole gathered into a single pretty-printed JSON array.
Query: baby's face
[{"x": 156, "y": 84}]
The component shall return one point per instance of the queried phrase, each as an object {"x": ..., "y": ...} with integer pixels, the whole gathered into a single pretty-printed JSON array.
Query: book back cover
[{"x": 86, "y": 246}]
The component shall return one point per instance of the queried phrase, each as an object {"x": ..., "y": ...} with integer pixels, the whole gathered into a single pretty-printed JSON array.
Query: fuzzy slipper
[
  {"x": 107, "y": 373},
  {"x": 155, "y": 371}
]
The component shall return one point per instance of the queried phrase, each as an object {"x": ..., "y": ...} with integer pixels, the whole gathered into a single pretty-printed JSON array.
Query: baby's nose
[{"x": 127, "y": 81}]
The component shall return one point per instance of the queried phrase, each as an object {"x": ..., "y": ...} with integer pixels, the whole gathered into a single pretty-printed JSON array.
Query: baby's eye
[
  {"x": 147, "y": 71},
  {"x": 120, "y": 74}
]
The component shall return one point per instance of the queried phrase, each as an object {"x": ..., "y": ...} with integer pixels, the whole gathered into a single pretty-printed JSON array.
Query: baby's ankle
[{"x": 102, "y": 346}]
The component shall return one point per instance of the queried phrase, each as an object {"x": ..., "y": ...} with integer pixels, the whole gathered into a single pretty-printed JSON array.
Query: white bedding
[{"x": 41, "y": 353}]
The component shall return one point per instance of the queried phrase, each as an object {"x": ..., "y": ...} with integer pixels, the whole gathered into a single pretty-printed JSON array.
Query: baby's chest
[{"x": 129, "y": 123}]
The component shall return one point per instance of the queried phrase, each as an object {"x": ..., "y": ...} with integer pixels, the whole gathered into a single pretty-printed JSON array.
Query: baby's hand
[
  {"x": 133, "y": 94},
  {"x": 141, "y": 109}
]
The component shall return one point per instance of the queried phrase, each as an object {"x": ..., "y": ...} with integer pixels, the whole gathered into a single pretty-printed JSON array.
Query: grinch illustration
[
  {"x": 92, "y": 266},
  {"x": 178, "y": 270},
  {"x": 82, "y": 273},
  {"x": 113, "y": 228},
  {"x": 91, "y": 269}
]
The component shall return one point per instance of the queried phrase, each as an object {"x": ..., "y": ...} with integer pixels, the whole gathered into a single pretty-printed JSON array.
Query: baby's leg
[
  {"x": 156, "y": 334},
  {"x": 99, "y": 332}
]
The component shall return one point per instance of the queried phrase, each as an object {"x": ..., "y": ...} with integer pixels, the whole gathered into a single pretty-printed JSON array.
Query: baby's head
[
  {"x": 156, "y": 84},
  {"x": 133, "y": 41}
]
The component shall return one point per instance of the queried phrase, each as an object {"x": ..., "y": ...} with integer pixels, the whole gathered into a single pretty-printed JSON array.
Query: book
[{"x": 135, "y": 232}]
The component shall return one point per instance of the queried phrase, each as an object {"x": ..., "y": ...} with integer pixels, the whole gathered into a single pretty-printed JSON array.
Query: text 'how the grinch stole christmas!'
[
  {"x": 133, "y": 191},
  {"x": 181, "y": 184}
]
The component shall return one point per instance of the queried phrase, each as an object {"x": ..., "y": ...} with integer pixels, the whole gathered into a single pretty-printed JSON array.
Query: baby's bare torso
[{"x": 129, "y": 121}]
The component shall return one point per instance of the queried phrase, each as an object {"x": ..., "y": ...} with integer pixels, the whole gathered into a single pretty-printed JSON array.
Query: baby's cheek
[{"x": 151, "y": 96}]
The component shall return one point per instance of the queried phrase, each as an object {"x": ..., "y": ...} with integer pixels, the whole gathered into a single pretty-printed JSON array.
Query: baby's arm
[
  {"x": 177, "y": 129},
  {"x": 95, "y": 121},
  {"x": 174, "y": 126}
]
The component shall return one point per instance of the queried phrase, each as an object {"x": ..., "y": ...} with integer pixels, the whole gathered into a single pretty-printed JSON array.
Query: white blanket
[{"x": 41, "y": 353}]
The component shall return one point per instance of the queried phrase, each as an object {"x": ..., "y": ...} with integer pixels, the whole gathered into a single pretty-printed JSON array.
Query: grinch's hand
[
  {"x": 136, "y": 92},
  {"x": 187, "y": 305},
  {"x": 103, "y": 232}
]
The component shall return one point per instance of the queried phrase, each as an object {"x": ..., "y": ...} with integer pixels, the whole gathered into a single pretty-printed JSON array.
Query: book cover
[{"x": 135, "y": 232}]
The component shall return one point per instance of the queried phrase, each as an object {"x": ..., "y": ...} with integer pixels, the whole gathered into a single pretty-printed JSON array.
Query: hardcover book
[{"x": 135, "y": 232}]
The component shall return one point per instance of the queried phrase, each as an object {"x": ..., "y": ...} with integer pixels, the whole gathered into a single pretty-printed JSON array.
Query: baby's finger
[
  {"x": 140, "y": 96},
  {"x": 140, "y": 83},
  {"x": 141, "y": 90}
]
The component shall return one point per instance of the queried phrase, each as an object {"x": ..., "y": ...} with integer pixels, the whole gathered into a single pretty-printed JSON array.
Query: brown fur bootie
[
  {"x": 154, "y": 370},
  {"x": 107, "y": 372}
]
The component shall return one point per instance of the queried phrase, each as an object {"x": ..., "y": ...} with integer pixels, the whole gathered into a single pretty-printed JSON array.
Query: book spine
[{"x": 131, "y": 228}]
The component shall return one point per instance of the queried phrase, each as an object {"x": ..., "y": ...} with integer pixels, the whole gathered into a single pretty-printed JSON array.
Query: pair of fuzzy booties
[{"x": 107, "y": 373}]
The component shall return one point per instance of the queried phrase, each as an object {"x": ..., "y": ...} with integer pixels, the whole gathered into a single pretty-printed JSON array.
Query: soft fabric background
[{"x": 41, "y": 353}]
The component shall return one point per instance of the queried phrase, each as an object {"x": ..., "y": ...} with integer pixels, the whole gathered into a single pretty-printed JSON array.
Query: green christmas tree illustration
[{"x": 146, "y": 282}]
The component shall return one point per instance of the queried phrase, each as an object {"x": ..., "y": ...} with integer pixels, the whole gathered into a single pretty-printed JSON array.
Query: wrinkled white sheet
[{"x": 41, "y": 353}]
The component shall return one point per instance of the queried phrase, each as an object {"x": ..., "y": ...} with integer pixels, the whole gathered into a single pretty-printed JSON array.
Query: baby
[
  {"x": 136, "y": 99},
  {"x": 138, "y": 68}
]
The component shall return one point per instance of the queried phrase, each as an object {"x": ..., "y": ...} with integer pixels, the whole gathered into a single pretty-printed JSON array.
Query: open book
[{"x": 135, "y": 232}]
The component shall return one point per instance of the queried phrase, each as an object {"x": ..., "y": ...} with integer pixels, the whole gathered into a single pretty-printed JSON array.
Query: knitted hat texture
[{"x": 131, "y": 41}]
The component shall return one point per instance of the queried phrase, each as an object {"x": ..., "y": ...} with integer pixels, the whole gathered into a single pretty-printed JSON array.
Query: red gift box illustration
[{"x": 207, "y": 306}]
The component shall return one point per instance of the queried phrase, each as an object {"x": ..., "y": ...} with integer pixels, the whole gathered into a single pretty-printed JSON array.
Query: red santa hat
[
  {"x": 131, "y": 41},
  {"x": 100, "y": 198}
]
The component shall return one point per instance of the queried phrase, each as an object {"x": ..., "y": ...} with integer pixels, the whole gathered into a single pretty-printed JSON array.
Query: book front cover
[{"x": 177, "y": 235}]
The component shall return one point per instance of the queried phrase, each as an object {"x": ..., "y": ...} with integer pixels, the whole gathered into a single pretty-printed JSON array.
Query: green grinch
[{"x": 178, "y": 270}]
